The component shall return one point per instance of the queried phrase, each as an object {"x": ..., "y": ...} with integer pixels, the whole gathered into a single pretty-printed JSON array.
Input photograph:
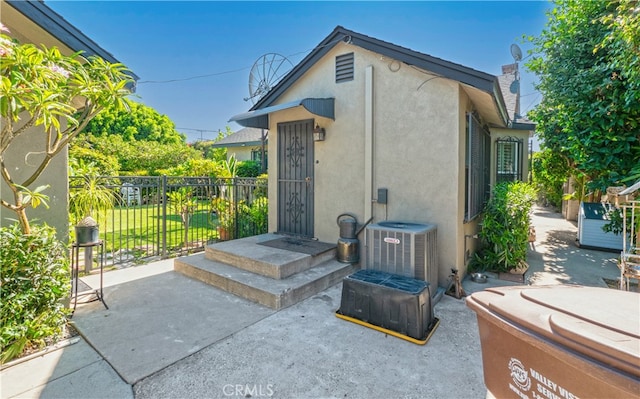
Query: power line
[
  {"x": 536, "y": 98},
  {"x": 238, "y": 69},
  {"x": 193, "y": 77},
  {"x": 197, "y": 130}
]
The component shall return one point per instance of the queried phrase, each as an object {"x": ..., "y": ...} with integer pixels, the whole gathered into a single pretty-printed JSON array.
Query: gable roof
[
  {"x": 248, "y": 136},
  {"x": 55, "y": 25},
  {"x": 479, "y": 80}
]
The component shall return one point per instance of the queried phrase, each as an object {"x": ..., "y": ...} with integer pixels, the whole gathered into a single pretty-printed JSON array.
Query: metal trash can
[
  {"x": 559, "y": 341},
  {"x": 348, "y": 248}
]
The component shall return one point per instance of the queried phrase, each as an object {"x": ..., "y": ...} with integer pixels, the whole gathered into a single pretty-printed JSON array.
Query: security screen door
[{"x": 295, "y": 178}]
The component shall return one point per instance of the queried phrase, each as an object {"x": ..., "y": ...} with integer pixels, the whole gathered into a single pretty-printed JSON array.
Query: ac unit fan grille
[{"x": 407, "y": 252}]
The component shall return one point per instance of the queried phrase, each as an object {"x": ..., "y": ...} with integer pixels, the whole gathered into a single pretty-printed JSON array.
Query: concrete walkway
[{"x": 167, "y": 336}]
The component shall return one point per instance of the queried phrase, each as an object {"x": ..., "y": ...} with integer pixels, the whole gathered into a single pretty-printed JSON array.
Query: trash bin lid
[
  {"x": 595, "y": 211},
  {"x": 600, "y": 323}
]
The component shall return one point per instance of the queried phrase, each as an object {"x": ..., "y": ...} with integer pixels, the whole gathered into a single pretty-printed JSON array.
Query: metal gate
[{"x": 295, "y": 178}]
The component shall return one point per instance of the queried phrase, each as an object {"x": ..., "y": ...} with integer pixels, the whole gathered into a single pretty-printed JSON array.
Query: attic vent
[{"x": 344, "y": 68}]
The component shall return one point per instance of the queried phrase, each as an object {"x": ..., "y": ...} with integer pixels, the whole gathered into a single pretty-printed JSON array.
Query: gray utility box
[{"x": 398, "y": 303}]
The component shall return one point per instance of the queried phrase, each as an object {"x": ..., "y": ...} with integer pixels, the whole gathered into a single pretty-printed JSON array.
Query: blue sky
[{"x": 169, "y": 40}]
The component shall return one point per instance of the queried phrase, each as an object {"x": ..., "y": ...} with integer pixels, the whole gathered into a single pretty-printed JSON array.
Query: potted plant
[
  {"x": 226, "y": 218},
  {"x": 506, "y": 230},
  {"x": 86, "y": 203},
  {"x": 182, "y": 203}
]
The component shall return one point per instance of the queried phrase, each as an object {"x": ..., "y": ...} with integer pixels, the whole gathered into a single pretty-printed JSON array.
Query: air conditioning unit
[{"x": 404, "y": 248}]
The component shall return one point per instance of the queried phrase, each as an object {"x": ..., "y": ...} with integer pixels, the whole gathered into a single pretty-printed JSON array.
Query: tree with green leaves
[
  {"x": 59, "y": 95},
  {"x": 133, "y": 157},
  {"x": 209, "y": 152},
  {"x": 549, "y": 174},
  {"x": 138, "y": 122},
  {"x": 586, "y": 60}
]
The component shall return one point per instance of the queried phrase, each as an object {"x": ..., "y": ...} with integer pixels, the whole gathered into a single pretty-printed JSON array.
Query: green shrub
[
  {"x": 259, "y": 212},
  {"x": 34, "y": 280},
  {"x": 261, "y": 186},
  {"x": 505, "y": 227},
  {"x": 248, "y": 169},
  {"x": 550, "y": 172}
]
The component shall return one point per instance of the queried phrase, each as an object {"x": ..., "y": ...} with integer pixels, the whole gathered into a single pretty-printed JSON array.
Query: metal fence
[{"x": 162, "y": 216}]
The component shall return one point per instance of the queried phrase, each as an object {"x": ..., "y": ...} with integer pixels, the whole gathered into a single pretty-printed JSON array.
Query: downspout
[
  {"x": 468, "y": 162},
  {"x": 368, "y": 143}
]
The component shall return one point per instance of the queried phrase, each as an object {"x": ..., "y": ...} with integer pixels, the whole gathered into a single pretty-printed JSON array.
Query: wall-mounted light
[{"x": 318, "y": 133}]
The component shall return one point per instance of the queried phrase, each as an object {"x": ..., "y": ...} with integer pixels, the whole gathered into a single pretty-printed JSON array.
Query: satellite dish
[
  {"x": 516, "y": 53},
  {"x": 265, "y": 73},
  {"x": 514, "y": 87}
]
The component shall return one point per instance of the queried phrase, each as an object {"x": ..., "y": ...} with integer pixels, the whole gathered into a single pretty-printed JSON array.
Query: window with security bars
[
  {"x": 344, "y": 68},
  {"x": 509, "y": 159},
  {"x": 477, "y": 166}
]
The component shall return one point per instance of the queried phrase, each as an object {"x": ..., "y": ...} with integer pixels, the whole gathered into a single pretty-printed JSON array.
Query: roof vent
[{"x": 344, "y": 68}]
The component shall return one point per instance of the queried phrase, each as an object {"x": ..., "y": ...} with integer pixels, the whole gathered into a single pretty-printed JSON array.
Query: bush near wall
[
  {"x": 550, "y": 172},
  {"x": 34, "y": 272},
  {"x": 505, "y": 228},
  {"x": 249, "y": 169}
]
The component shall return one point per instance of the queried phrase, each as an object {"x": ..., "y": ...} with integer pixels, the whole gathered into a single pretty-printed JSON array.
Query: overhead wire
[
  {"x": 193, "y": 77},
  {"x": 208, "y": 75},
  {"x": 197, "y": 130},
  {"x": 536, "y": 98}
]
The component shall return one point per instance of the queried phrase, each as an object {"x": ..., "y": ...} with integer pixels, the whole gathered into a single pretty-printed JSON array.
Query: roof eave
[
  {"x": 499, "y": 101},
  {"x": 446, "y": 69},
  {"x": 523, "y": 126},
  {"x": 61, "y": 29},
  {"x": 243, "y": 144}
]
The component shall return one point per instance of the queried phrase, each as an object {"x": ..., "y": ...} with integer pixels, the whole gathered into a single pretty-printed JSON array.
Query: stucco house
[
  {"x": 437, "y": 135},
  {"x": 34, "y": 22},
  {"x": 247, "y": 144}
]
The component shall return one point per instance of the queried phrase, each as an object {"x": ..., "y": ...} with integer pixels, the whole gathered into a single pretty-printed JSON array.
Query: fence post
[
  {"x": 163, "y": 191},
  {"x": 234, "y": 181}
]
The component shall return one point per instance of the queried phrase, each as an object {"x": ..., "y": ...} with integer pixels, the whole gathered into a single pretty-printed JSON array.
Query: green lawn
[{"x": 140, "y": 228}]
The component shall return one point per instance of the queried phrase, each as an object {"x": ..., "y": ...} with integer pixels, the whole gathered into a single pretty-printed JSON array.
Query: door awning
[{"x": 260, "y": 117}]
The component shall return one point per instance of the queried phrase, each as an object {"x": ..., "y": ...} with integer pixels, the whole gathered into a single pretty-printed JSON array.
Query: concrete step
[
  {"x": 246, "y": 254},
  {"x": 274, "y": 293}
]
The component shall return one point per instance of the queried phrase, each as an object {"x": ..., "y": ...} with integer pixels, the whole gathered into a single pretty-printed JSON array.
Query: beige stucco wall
[
  {"x": 22, "y": 157},
  {"x": 241, "y": 153},
  {"x": 23, "y": 153},
  {"x": 418, "y": 131}
]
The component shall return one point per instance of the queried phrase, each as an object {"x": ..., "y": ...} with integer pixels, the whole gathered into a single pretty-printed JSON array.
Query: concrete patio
[{"x": 168, "y": 336}]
